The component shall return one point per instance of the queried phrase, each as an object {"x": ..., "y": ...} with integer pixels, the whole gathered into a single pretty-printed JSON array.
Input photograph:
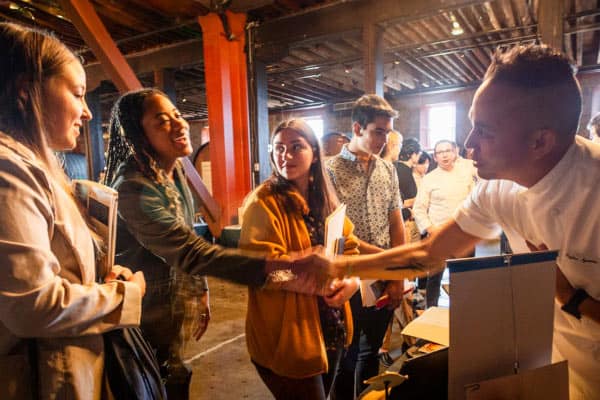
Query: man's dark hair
[
  {"x": 410, "y": 146},
  {"x": 541, "y": 69},
  {"x": 370, "y": 106},
  {"x": 424, "y": 157},
  {"x": 337, "y": 134}
]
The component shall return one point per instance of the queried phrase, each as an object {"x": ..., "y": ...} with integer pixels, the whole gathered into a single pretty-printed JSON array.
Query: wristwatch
[{"x": 572, "y": 306}]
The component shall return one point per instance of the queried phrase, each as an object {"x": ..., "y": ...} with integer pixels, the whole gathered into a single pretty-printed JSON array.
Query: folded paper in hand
[
  {"x": 334, "y": 231},
  {"x": 100, "y": 204},
  {"x": 433, "y": 325}
]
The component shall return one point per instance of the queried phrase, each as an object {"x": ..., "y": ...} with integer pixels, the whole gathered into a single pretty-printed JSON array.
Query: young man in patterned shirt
[{"x": 368, "y": 186}]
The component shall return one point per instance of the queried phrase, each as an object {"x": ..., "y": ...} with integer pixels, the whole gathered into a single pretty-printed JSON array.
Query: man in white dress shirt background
[{"x": 442, "y": 191}]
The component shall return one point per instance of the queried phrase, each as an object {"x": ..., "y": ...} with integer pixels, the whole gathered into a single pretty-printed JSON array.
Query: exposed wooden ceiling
[{"x": 422, "y": 52}]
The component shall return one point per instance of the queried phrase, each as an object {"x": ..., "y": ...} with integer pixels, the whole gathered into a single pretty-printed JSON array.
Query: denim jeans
[
  {"x": 314, "y": 388},
  {"x": 361, "y": 360}
]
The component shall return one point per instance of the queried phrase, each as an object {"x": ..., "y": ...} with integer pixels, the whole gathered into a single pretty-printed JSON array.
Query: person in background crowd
[
  {"x": 464, "y": 161},
  {"x": 148, "y": 135},
  {"x": 421, "y": 168},
  {"x": 593, "y": 128},
  {"x": 409, "y": 156},
  {"x": 296, "y": 340},
  {"x": 48, "y": 288},
  {"x": 442, "y": 191},
  {"x": 392, "y": 147},
  {"x": 332, "y": 143},
  {"x": 368, "y": 186}
]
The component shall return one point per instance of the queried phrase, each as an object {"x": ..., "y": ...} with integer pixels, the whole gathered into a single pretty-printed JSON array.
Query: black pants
[
  {"x": 361, "y": 360},
  {"x": 312, "y": 388},
  {"x": 432, "y": 292}
]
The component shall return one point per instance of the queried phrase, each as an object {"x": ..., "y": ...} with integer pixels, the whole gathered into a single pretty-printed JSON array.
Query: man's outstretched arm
[{"x": 411, "y": 260}]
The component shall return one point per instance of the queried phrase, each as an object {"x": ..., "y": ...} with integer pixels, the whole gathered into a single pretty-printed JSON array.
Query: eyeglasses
[{"x": 439, "y": 153}]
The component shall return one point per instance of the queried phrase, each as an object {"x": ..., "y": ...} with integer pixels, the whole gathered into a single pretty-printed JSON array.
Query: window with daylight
[
  {"x": 438, "y": 122},
  {"x": 316, "y": 123}
]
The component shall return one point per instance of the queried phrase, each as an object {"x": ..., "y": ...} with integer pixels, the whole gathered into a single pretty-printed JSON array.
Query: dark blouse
[
  {"x": 332, "y": 319},
  {"x": 407, "y": 185}
]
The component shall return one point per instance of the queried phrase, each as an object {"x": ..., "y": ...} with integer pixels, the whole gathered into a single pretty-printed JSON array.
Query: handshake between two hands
[
  {"x": 311, "y": 272},
  {"x": 393, "y": 264}
]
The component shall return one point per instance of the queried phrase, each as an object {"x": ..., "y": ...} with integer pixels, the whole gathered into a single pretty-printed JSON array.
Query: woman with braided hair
[{"x": 147, "y": 137}]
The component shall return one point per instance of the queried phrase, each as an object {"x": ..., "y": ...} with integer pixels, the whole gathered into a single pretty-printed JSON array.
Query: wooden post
[
  {"x": 551, "y": 23},
  {"x": 373, "y": 59},
  {"x": 227, "y": 100}
]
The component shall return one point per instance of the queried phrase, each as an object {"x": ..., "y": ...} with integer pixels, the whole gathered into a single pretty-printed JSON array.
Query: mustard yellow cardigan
[{"x": 283, "y": 329}]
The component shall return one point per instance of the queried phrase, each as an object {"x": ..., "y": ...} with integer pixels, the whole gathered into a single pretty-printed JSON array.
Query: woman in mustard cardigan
[{"x": 295, "y": 340}]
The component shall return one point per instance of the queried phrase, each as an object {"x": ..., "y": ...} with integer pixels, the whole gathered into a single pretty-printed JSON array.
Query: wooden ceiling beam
[
  {"x": 97, "y": 37},
  {"x": 492, "y": 15},
  {"x": 507, "y": 10},
  {"x": 299, "y": 85},
  {"x": 464, "y": 20},
  {"x": 113, "y": 12},
  {"x": 174, "y": 8},
  {"x": 419, "y": 74},
  {"x": 465, "y": 59},
  {"x": 338, "y": 87},
  {"x": 551, "y": 23},
  {"x": 494, "y": 43},
  {"x": 291, "y": 88},
  {"x": 348, "y": 16},
  {"x": 447, "y": 64},
  {"x": 173, "y": 56},
  {"x": 61, "y": 26},
  {"x": 399, "y": 73},
  {"x": 330, "y": 92},
  {"x": 434, "y": 69},
  {"x": 481, "y": 58}
]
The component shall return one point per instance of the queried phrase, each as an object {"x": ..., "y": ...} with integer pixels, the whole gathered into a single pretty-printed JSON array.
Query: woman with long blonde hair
[{"x": 48, "y": 288}]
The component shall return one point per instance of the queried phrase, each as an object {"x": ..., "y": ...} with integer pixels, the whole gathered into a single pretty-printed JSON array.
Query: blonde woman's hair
[{"x": 28, "y": 58}]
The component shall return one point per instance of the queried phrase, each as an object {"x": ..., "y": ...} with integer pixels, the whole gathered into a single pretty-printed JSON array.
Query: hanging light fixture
[{"x": 456, "y": 28}]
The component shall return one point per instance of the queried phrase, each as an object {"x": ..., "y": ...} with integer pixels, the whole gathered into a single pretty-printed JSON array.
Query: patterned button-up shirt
[{"x": 370, "y": 195}]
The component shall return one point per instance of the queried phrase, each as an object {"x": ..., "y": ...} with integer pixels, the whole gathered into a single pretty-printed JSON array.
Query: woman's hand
[
  {"x": 203, "y": 316},
  {"x": 125, "y": 274},
  {"x": 395, "y": 292},
  {"x": 344, "y": 289}
]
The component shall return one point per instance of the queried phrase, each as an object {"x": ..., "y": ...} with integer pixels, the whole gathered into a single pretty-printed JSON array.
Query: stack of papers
[{"x": 433, "y": 325}]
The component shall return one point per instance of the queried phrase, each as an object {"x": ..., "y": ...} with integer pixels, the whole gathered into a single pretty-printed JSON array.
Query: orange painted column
[{"x": 227, "y": 100}]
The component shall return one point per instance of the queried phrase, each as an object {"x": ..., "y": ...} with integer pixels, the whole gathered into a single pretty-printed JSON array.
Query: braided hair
[{"x": 127, "y": 140}]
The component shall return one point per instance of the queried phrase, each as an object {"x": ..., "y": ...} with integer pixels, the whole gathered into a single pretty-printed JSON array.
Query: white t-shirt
[
  {"x": 440, "y": 194},
  {"x": 561, "y": 211}
]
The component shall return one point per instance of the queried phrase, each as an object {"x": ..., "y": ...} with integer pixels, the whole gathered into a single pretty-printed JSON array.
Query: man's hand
[
  {"x": 125, "y": 274},
  {"x": 344, "y": 289},
  {"x": 307, "y": 272},
  {"x": 564, "y": 290},
  {"x": 203, "y": 316}
]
